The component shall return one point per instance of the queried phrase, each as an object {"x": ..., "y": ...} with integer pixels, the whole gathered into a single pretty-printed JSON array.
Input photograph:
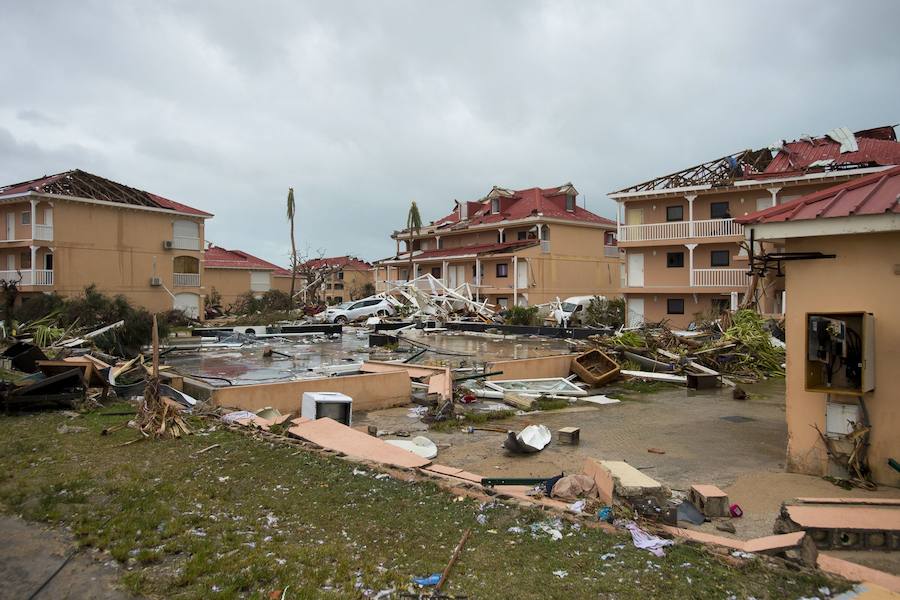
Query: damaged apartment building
[
  {"x": 512, "y": 248},
  {"x": 685, "y": 253}
]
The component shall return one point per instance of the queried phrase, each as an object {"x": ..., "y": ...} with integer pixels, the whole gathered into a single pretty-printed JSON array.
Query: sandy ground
[{"x": 746, "y": 459}]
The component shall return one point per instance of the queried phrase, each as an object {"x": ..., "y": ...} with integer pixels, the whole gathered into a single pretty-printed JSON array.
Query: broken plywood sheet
[{"x": 332, "y": 435}]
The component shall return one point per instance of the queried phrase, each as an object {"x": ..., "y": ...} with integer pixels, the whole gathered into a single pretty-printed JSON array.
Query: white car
[{"x": 360, "y": 309}]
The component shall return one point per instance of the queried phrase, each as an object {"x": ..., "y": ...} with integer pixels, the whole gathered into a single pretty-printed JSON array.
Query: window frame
[
  {"x": 570, "y": 198},
  {"x": 714, "y": 253},
  {"x": 436, "y": 272},
  {"x": 670, "y": 255},
  {"x": 669, "y": 310},
  {"x": 495, "y": 206},
  {"x": 679, "y": 207},
  {"x": 505, "y": 268},
  {"x": 26, "y": 217},
  {"x": 726, "y": 214}
]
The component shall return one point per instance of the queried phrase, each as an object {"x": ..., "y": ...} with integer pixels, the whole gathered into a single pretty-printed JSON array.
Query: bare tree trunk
[{"x": 293, "y": 264}]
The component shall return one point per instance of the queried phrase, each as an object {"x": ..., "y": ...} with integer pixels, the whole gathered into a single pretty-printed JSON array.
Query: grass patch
[
  {"x": 249, "y": 517},
  {"x": 551, "y": 403},
  {"x": 641, "y": 386},
  {"x": 471, "y": 417}
]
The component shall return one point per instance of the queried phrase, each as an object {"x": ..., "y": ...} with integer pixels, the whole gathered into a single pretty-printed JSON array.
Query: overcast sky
[{"x": 363, "y": 107}]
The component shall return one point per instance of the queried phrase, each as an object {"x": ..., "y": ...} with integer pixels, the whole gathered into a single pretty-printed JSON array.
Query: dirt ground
[
  {"x": 745, "y": 458},
  {"x": 42, "y": 564}
]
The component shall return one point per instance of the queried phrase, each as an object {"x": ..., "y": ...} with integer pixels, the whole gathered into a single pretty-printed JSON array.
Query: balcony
[
  {"x": 680, "y": 230},
  {"x": 611, "y": 251},
  {"x": 186, "y": 279},
  {"x": 719, "y": 278},
  {"x": 24, "y": 276},
  {"x": 180, "y": 242},
  {"x": 42, "y": 232}
]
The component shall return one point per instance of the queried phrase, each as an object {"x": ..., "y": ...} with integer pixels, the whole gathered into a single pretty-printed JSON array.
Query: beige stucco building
[
  {"x": 64, "y": 232},
  {"x": 682, "y": 245},
  {"x": 841, "y": 256},
  {"x": 522, "y": 247},
  {"x": 233, "y": 273}
]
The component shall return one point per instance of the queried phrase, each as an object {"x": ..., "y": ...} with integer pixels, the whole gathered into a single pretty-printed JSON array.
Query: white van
[{"x": 572, "y": 310}]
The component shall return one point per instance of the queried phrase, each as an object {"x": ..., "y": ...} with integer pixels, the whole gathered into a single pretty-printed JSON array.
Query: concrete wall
[
  {"x": 655, "y": 306},
  {"x": 533, "y": 368},
  {"x": 229, "y": 283},
  {"x": 369, "y": 392},
  {"x": 863, "y": 277}
]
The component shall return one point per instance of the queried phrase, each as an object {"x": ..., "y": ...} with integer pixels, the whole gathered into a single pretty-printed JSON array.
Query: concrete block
[
  {"x": 709, "y": 500},
  {"x": 618, "y": 479},
  {"x": 569, "y": 435}
]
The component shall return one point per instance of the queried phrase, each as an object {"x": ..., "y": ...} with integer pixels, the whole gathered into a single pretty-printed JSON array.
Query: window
[
  {"x": 26, "y": 218},
  {"x": 338, "y": 286},
  {"x": 719, "y": 210},
  {"x": 503, "y": 302},
  {"x": 719, "y": 258},
  {"x": 522, "y": 235},
  {"x": 404, "y": 274},
  {"x": 675, "y": 213},
  {"x": 440, "y": 243},
  {"x": 340, "y": 275},
  {"x": 436, "y": 272},
  {"x": 186, "y": 235},
  {"x": 25, "y": 260},
  {"x": 674, "y": 260},
  {"x": 260, "y": 281},
  {"x": 720, "y": 305},
  {"x": 502, "y": 270},
  {"x": 675, "y": 306},
  {"x": 495, "y": 205},
  {"x": 48, "y": 262},
  {"x": 186, "y": 264},
  {"x": 570, "y": 202}
]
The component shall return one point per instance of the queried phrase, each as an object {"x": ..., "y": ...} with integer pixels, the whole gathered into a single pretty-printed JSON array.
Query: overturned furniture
[{"x": 595, "y": 368}]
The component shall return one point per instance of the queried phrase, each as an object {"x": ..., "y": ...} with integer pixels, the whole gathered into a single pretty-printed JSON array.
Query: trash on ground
[{"x": 533, "y": 438}]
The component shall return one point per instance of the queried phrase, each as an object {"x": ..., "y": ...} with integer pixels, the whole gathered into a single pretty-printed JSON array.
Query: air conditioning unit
[
  {"x": 337, "y": 406},
  {"x": 155, "y": 281},
  {"x": 168, "y": 244}
]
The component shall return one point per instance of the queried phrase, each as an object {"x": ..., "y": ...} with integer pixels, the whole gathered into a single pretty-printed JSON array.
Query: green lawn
[{"x": 251, "y": 517}]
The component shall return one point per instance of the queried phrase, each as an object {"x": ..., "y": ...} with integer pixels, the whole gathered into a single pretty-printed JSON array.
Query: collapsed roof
[
  {"x": 839, "y": 149},
  {"x": 81, "y": 184}
]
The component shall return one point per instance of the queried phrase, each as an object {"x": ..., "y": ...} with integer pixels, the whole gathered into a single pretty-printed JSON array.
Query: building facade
[
  {"x": 64, "y": 232},
  {"x": 232, "y": 273},
  {"x": 512, "y": 247},
  {"x": 686, "y": 255},
  {"x": 843, "y": 246},
  {"x": 333, "y": 280}
]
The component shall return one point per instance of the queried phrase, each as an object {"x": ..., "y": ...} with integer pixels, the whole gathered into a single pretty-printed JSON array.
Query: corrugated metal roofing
[
  {"x": 469, "y": 250},
  {"x": 348, "y": 263},
  {"x": 800, "y": 154},
  {"x": 874, "y": 194}
]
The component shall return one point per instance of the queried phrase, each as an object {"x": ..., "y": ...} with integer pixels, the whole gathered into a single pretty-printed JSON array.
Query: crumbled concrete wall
[{"x": 532, "y": 368}]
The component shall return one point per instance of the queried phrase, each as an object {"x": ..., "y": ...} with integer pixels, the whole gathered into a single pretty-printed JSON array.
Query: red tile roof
[
  {"x": 550, "y": 202},
  {"x": 346, "y": 263},
  {"x": 220, "y": 258},
  {"x": 81, "y": 184},
  {"x": 876, "y": 147},
  {"x": 870, "y": 195}
]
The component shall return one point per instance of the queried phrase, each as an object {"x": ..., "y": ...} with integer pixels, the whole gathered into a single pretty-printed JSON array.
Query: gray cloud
[{"x": 363, "y": 107}]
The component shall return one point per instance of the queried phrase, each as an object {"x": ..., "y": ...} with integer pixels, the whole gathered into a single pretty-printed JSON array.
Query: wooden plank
[
  {"x": 656, "y": 376},
  {"x": 330, "y": 434}
]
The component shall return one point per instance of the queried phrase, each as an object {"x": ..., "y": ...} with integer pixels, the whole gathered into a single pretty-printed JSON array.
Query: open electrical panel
[{"x": 840, "y": 351}]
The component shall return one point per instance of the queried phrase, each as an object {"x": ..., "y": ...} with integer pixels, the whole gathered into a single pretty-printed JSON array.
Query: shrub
[
  {"x": 36, "y": 307},
  {"x": 272, "y": 301},
  {"x": 605, "y": 312},
  {"x": 522, "y": 315}
]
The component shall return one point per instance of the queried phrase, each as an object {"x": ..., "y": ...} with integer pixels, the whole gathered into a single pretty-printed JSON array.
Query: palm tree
[
  {"x": 413, "y": 223},
  {"x": 290, "y": 216}
]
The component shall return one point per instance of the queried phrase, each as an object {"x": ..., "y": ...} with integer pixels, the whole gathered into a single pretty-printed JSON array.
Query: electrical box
[{"x": 840, "y": 353}]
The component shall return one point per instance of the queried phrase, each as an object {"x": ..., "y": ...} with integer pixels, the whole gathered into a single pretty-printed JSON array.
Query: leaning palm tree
[
  {"x": 413, "y": 224},
  {"x": 290, "y": 216}
]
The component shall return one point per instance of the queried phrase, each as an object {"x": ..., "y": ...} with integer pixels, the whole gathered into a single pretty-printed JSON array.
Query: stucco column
[
  {"x": 444, "y": 278},
  {"x": 33, "y": 221},
  {"x": 33, "y": 258},
  {"x": 690, "y": 248},
  {"x": 478, "y": 280},
  {"x": 690, "y": 198},
  {"x": 502, "y": 236},
  {"x": 774, "y": 191},
  {"x": 618, "y": 220},
  {"x": 515, "y": 281}
]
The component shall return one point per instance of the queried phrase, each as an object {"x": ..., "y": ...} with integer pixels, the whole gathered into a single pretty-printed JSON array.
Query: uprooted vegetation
[
  {"x": 51, "y": 317},
  {"x": 249, "y": 519}
]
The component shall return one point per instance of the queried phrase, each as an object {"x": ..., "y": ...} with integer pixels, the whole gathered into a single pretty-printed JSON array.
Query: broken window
[
  {"x": 719, "y": 210},
  {"x": 674, "y": 259},
  {"x": 719, "y": 258},
  {"x": 502, "y": 270},
  {"x": 570, "y": 203},
  {"x": 675, "y": 213},
  {"x": 675, "y": 306},
  {"x": 436, "y": 272}
]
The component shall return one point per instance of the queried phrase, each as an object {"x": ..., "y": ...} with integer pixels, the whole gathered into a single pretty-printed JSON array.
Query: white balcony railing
[
  {"x": 42, "y": 232},
  {"x": 185, "y": 243},
  {"x": 612, "y": 251},
  {"x": 719, "y": 278},
  {"x": 680, "y": 230},
  {"x": 24, "y": 276},
  {"x": 186, "y": 279}
]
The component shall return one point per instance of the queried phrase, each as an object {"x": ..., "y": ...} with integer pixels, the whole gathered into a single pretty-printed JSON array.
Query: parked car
[
  {"x": 360, "y": 309},
  {"x": 571, "y": 312}
]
